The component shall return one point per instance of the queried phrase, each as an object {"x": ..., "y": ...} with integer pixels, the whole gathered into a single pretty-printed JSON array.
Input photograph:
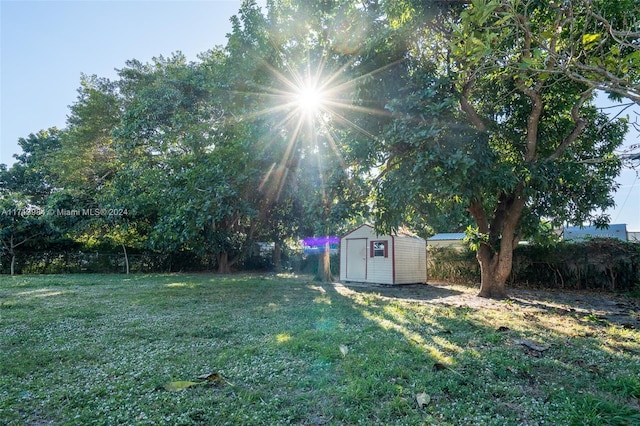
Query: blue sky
[{"x": 46, "y": 45}]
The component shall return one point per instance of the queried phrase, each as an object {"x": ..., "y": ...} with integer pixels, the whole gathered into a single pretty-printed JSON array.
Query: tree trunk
[
  {"x": 277, "y": 257},
  {"x": 126, "y": 259},
  {"x": 495, "y": 256},
  {"x": 223, "y": 263},
  {"x": 494, "y": 272},
  {"x": 324, "y": 265},
  {"x": 13, "y": 263},
  {"x": 495, "y": 266}
]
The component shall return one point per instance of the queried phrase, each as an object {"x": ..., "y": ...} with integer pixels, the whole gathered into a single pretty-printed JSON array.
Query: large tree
[
  {"x": 498, "y": 116},
  {"x": 34, "y": 172},
  {"x": 87, "y": 161},
  {"x": 21, "y": 223},
  {"x": 188, "y": 154},
  {"x": 301, "y": 58},
  {"x": 24, "y": 191},
  {"x": 86, "y": 165}
]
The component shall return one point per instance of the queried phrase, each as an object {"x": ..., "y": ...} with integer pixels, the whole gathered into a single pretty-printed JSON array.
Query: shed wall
[
  {"x": 362, "y": 233},
  {"x": 380, "y": 269},
  {"x": 410, "y": 260}
]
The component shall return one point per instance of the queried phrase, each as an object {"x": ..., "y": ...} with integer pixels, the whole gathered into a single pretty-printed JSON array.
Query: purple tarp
[{"x": 320, "y": 241}]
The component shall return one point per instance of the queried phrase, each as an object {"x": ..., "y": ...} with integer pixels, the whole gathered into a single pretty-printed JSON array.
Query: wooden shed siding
[
  {"x": 380, "y": 269},
  {"x": 343, "y": 260},
  {"x": 363, "y": 231},
  {"x": 410, "y": 261}
]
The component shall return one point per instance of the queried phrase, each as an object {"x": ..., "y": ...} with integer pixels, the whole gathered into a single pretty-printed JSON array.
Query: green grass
[{"x": 99, "y": 349}]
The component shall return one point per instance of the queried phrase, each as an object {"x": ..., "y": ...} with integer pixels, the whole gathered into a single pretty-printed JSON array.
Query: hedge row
[
  {"x": 598, "y": 264},
  {"x": 51, "y": 262},
  {"x": 82, "y": 262}
]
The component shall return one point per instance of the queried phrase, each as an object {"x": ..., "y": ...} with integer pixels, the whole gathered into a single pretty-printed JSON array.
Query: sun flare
[
  {"x": 309, "y": 99},
  {"x": 309, "y": 104}
]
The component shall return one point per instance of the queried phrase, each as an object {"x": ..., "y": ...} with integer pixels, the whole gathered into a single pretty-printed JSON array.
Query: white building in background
[
  {"x": 448, "y": 239},
  {"x": 576, "y": 233}
]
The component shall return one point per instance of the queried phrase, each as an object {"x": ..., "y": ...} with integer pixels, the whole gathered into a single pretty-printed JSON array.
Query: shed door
[{"x": 356, "y": 259}]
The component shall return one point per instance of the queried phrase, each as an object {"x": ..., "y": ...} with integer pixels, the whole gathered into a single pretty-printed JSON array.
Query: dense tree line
[{"x": 315, "y": 116}]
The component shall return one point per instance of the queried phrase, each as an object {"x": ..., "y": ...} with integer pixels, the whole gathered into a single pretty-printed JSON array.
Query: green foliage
[
  {"x": 187, "y": 167},
  {"x": 436, "y": 115},
  {"x": 24, "y": 218},
  {"x": 309, "y": 265},
  {"x": 65, "y": 257},
  {"x": 433, "y": 165},
  {"x": 495, "y": 121},
  {"x": 86, "y": 160},
  {"x": 34, "y": 173},
  {"x": 598, "y": 264},
  {"x": 452, "y": 265},
  {"x": 23, "y": 225}
]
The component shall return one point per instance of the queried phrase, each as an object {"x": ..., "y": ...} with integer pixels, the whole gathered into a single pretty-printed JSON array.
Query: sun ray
[
  {"x": 266, "y": 177},
  {"x": 351, "y": 82},
  {"x": 306, "y": 104}
]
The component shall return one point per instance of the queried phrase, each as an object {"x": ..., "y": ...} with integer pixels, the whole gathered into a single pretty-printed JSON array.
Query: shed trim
[
  {"x": 347, "y": 262},
  {"x": 393, "y": 259}
]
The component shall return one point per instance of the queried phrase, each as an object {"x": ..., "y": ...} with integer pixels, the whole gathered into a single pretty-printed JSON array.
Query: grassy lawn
[{"x": 101, "y": 349}]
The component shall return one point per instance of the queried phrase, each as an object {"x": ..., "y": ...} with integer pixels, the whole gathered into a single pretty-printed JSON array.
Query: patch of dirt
[{"x": 621, "y": 310}]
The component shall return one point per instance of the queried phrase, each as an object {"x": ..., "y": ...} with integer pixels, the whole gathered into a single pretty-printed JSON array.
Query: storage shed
[{"x": 382, "y": 259}]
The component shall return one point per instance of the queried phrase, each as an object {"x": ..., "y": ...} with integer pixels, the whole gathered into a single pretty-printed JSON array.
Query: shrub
[
  {"x": 452, "y": 265},
  {"x": 597, "y": 264}
]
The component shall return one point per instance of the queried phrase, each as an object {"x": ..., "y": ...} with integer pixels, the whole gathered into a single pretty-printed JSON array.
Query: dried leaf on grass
[
  {"x": 207, "y": 378},
  {"x": 439, "y": 366},
  {"x": 214, "y": 378},
  {"x": 422, "y": 399},
  {"x": 344, "y": 350}
]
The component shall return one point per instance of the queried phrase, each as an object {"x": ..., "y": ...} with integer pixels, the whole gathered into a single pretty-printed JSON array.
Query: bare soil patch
[{"x": 618, "y": 309}]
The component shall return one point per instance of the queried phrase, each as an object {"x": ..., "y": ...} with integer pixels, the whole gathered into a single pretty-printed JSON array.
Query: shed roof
[
  {"x": 447, "y": 236},
  {"x": 402, "y": 232}
]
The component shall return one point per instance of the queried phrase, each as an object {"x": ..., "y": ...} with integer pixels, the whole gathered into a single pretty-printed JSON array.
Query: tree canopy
[
  {"x": 315, "y": 116},
  {"x": 500, "y": 119}
]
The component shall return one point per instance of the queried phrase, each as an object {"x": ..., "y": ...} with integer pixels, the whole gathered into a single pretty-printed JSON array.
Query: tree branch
[
  {"x": 533, "y": 120},
  {"x": 610, "y": 82},
  {"x": 579, "y": 127},
  {"x": 466, "y": 106},
  {"x": 479, "y": 215}
]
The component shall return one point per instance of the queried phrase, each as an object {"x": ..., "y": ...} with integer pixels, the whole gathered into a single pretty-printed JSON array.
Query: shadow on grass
[
  {"x": 618, "y": 309},
  {"x": 408, "y": 292},
  {"x": 476, "y": 371}
]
